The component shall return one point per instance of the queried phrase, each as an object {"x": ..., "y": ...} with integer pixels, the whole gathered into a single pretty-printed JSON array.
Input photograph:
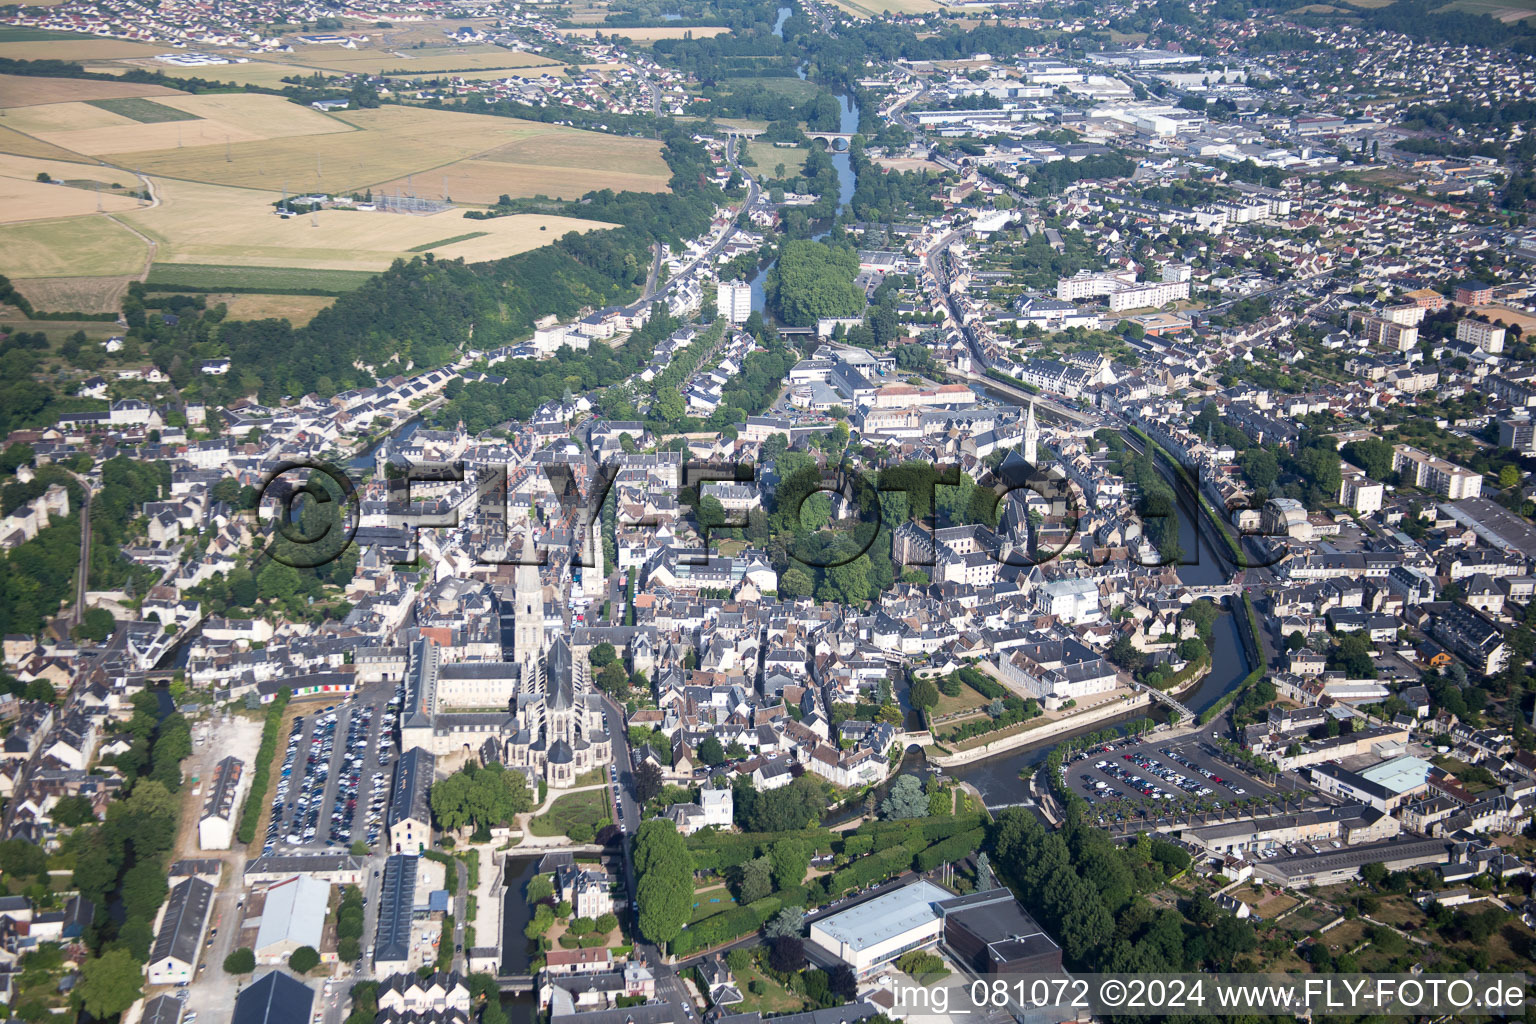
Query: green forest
[{"x": 813, "y": 280}]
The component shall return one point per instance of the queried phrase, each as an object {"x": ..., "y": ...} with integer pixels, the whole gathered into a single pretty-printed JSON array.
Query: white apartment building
[
  {"x": 1487, "y": 337},
  {"x": 733, "y": 301},
  {"x": 1431, "y": 474}
]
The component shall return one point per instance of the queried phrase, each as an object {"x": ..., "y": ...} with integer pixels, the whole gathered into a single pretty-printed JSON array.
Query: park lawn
[
  {"x": 589, "y": 808},
  {"x": 775, "y": 998},
  {"x": 969, "y": 700},
  {"x": 704, "y": 908}
]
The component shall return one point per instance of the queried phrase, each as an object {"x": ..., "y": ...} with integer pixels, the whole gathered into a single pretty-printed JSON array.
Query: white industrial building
[{"x": 873, "y": 933}]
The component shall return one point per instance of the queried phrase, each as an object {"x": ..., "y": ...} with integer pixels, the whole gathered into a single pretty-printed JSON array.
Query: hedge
[
  {"x": 261, "y": 775},
  {"x": 726, "y": 926},
  {"x": 951, "y": 849},
  {"x": 719, "y": 851}
]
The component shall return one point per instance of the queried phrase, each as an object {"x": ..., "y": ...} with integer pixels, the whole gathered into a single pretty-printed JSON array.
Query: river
[
  {"x": 842, "y": 162},
  {"x": 521, "y": 1009},
  {"x": 997, "y": 778}
]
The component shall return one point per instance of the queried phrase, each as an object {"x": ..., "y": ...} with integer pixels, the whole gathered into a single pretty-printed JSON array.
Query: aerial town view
[{"x": 793, "y": 511}]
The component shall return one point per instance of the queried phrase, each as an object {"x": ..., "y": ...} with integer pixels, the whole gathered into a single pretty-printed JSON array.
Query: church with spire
[{"x": 534, "y": 710}]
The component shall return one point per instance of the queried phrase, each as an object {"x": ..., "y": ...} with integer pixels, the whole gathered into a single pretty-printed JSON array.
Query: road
[
  {"x": 85, "y": 552},
  {"x": 669, "y": 987},
  {"x": 707, "y": 258}
]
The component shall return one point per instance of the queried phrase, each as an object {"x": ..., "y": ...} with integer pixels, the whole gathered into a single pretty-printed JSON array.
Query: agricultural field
[
  {"x": 205, "y": 224},
  {"x": 469, "y": 157},
  {"x": 70, "y": 247},
  {"x": 75, "y": 48},
  {"x": 27, "y": 200},
  {"x": 649, "y": 34},
  {"x": 558, "y": 163},
  {"x": 137, "y": 108},
  {"x": 253, "y": 72},
  {"x": 214, "y": 121},
  {"x": 871, "y": 8},
  {"x": 76, "y": 294},
  {"x": 204, "y": 277},
  {"x": 296, "y": 309},
  {"x": 26, "y": 91},
  {"x": 412, "y": 61}
]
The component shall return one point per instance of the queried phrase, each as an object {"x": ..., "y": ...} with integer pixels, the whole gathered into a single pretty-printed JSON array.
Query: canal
[{"x": 516, "y": 950}]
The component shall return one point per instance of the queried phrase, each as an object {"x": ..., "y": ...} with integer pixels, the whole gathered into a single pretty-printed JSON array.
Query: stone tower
[{"x": 1031, "y": 436}]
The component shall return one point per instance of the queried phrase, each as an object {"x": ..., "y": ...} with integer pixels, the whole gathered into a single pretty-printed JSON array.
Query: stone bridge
[{"x": 830, "y": 139}]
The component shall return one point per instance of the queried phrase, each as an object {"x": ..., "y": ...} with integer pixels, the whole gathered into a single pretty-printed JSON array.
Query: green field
[
  {"x": 449, "y": 241},
  {"x": 142, "y": 110},
  {"x": 199, "y": 276},
  {"x": 18, "y": 34},
  {"x": 796, "y": 89},
  {"x": 589, "y": 808}
]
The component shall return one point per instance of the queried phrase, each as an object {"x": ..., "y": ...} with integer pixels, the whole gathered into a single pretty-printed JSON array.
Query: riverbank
[{"x": 1031, "y": 737}]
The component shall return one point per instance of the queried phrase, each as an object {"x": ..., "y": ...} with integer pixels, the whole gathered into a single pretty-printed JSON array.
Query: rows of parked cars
[
  {"x": 1177, "y": 758},
  {"x": 352, "y": 759}
]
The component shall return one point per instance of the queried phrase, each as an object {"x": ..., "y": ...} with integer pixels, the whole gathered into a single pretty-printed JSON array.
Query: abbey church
[{"x": 535, "y": 709}]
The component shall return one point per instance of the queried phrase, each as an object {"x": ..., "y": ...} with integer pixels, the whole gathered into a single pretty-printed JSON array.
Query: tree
[
  {"x": 756, "y": 880},
  {"x": 304, "y": 959},
  {"x": 795, "y": 582},
  {"x": 788, "y": 922},
  {"x": 110, "y": 983},
  {"x": 240, "y": 961},
  {"x": 647, "y": 781},
  {"x": 614, "y": 680},
  {"x": 790, "y": 859},
  {"x": 711, "y": 752},
  {"x": 985, "y": 877},
  {"x": 1509, "y": 477},
  {"x": 925, "y": 695},
  {"x": 540, "y": 888},
  {"x": 738, "y": 960},
  {"x": 786, "y": 954},
  {"x": 906, "y": 799},
  {"x": 71, "y": 811},
  {"x": 842, "y": 984},
  {"x": 603, "y": 654},
  {"x": 664, "y": 889}
]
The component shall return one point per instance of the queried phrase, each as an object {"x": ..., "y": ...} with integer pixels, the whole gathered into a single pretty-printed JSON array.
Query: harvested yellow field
[
  {"x": 871, "y": 8},
  {"x": 77, "y": 49},
  {"x": 32, "y": 200},
  {"x": 12, "y": 141},
  {"x": 296, "y": 309},
  {"x": 395, "y": 142},
  {"x": 71, "y": 247},
  {"x": 552, "y": 70},
  {"x": 213, "y": 225},
  {"x": 27, "y": 168},
  {"x": 235, "y": 118},
  {"x": 25, "y": 91},
  {"x": 650, "y": 34},
  {"x": 255, "y": 72},
  {"x": 562, "y": 164},
  {"x": 75, "y": 294},
  {"x": 406, "y": 61},
  {"x": 53, "y": 118}
]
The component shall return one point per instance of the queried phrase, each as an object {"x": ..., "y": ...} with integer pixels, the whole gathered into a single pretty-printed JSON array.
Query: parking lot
[
  {"x": 332, "y": 788},
  {"x": 1171, "y": 776}
]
